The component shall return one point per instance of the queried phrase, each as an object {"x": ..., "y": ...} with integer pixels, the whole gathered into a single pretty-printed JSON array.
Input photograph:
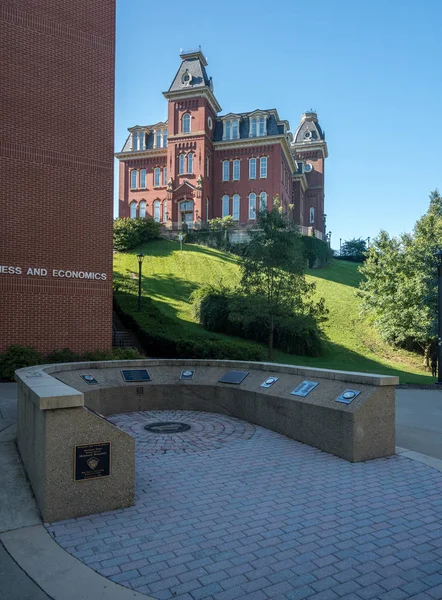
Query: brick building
[
  {"x": 199, "y": 164},
  {"x": 56, "y": 176}
]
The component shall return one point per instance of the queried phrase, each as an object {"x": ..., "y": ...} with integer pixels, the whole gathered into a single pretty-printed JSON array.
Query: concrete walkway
[{"x": 239, "y": 512}]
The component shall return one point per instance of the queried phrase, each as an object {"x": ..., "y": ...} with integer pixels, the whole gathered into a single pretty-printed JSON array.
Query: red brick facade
[
  {"x": 56, "y": 146},
  {"x": 208, "y": 188}
]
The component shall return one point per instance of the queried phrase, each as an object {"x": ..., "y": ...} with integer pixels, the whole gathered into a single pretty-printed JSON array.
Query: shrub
[
  {"x": 161, "y": 336},
  {"x": 17, "y": 357},
  {"x": 294, "y": 333},
  {"x": 317, "y": 252},
  {"x": 62, "y": 356},
  {"x": 129, "y": 233}
]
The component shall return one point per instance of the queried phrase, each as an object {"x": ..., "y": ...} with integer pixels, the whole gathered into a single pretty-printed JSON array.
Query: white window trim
[
  {"x": 261, "y": 208},
  {"x": 250, "y": 163},
  {"x": 164, "y": 175},
  {"x": 155, "y": 184},
  {"x": 265, "y": 117},
  {"x": 250, "y": 207},
  {"x": 157, "y": 204},
  {"x": 228, "y": 170},
  {"x": 133, "y": 187},
  {"x": 142, "y": 207},
  {"x": 230, "y": 122},
  {"x": 236, "y": 162},
  {"x": 190, "y": 123},
  {"x": 261, "y": 176},
  {"x": 132, "y": 205},
  {"x": 236, "y": 197},
  {"x": 223, "y": 214},
  {"x": 312, "y": 215},
  {"x": 193, "y": 156},
  {"x": 143, "y": 187},
  {"x": 181, "y": 171}
]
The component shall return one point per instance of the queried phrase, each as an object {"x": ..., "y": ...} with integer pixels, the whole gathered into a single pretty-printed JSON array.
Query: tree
[
  {"x": 399, "y": 289},
  {"x": 272, "y": 274},
  {"x": 355, "y": 248}
]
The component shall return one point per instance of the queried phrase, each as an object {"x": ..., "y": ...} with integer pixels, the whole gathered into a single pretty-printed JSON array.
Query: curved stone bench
[{"x": 58, "y": 411}]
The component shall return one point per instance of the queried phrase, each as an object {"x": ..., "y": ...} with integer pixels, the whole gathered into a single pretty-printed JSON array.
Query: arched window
[
  {"x": 190, "y": 163},
  {"x": 312, "y": 215},
  {"x": 186, "y": 123},
  {"x": 236, "y": 170},
  {"x": 263, "y": 167},
  {"x": 263, "y": 201},
  {"x": 143, "y": 178},
  {"x": 133, "y": 210},
  {"x": 133, "y": 180},
  {"x": 142, "y": 209},
  {"x": 252, "y": 206},
  {"x": 156, "y": 211},
  {"x": 226, "y": 170},
  {"x": 181, "y": 164},
  {"x": 157, "y": 177},
  {"x": 236, "y": 203},
  {"x": 252, "y": 168},
  {"x": 225, "y": 206}
]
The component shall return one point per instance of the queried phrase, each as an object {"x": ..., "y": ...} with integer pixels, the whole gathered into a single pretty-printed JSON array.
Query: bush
[
  {"x": 62, "y": 356},
  {"x": 129, "y": 233},
  {"x": 294, "y": 333},
  {"x": 317, "y": 252},
  {"x": 163, "y": 337},
  {"x": 17, "y": 357}
]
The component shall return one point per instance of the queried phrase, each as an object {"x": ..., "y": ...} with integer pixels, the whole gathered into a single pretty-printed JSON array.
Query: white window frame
[
  {"x": 262, "y": 126},
  {"x": 236, "y": 170},
  {"x": 235, "y": 122},
  {"x": 143, "y": 179},
  {"x": 141, "y": 140},
  {"x": 252, "y": 161},
  {"x": 165, "y": 176},
  {"x": 164, "y": 141},
  {"x": 181, "y": 164},
  {"x": 226, "y": 170},
  {"x": 183, "y": 119},
  {"x": 133, "y": 210},
  {"x": 252, "y": 206},
  {"x": 253, "y": 127},
  {"x": 135, "y": 140},
  {"x": 229, "y": 126},
  {"x": 157, "y": 211},
  {"x": 133, "y": 179},
  {"x": 236, "y": 206},
  {"x": 263, "y": 167},
  {"x": 263, "y": 201},
  {"x": 142, "y": 209},
  {"x": 157, "y": 177},
  {"x": 158, "y": 138},
  {"x": 312, "y": 215},
  {"x": 225, "y": 204},
  {"x": 190, "y": 162}
]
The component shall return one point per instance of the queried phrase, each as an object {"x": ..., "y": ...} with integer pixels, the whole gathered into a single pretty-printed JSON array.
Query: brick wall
[{"x": 56, "y": 153}]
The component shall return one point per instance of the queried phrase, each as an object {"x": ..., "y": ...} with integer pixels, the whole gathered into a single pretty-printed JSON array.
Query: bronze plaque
[{"x": 92, "y": 461}]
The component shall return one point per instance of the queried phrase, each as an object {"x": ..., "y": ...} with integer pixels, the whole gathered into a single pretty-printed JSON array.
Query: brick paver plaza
[{"x": 228, "y": 510}]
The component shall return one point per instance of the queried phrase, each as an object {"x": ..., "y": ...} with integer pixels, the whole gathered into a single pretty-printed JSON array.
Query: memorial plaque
[
  {"x": 233, "y": 377},
  {"x": 89, "y": 379},
  {"x": 135, "y": 375},
  {"x": 187, "y": 374},
  {"x": 92, "y": 461},
  {"x": 304, "y": 388},
  {"x": 348, "y": 396},
  {"x": 269, "y": 382}
]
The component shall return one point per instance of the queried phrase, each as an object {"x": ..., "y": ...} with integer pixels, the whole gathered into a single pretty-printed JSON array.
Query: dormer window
[
  {"x": 138, "y": 140},
  {"x": 258, "y": 126},
  {"x": 160, "y": 138},
  {"x": 231, "y": 130},
  {"x": 186, "y": 123}
]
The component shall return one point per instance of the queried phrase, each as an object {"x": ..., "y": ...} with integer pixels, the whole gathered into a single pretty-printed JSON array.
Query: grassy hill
[{"x": 169, "y": 277}]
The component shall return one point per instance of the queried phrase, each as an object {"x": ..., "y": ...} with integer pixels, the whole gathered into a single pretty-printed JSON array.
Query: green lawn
[{"x": 169, "y": 277}]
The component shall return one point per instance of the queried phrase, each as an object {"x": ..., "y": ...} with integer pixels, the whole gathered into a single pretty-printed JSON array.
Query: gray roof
[
  {"x": 194, "y": 67},
  {"x": 274, "y": 127}
]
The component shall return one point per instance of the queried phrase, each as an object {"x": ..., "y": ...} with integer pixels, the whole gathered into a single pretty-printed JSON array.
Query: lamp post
[
  {"x": 438, "y": 257},
  {"x": 140, "y": 262}
]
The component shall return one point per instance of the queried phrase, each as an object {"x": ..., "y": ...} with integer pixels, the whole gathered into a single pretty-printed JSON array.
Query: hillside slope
[{"x": 170, "y": 275}]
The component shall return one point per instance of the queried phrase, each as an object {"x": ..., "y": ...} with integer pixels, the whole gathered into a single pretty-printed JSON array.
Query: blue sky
[{"x": 371, "y": 70}]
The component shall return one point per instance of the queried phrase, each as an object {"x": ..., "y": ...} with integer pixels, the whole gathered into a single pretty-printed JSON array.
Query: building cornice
[
  {"x": 259, "y": 141},
  {"x": 302, "y": 178},
  {"x": 311, "y": 147},
  {"x": 135, "y": 154},
  {"x": 204, "y": 92}
]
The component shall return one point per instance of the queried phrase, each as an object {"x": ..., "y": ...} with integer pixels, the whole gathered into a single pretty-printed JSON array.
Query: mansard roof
[
  {"x": 274, "y": 125},
  {"x": 309, "y": 131},
  {"x": 191, "y": 73}
]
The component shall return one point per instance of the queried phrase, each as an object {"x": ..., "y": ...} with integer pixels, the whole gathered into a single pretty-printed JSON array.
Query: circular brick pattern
[
  {"x": 208, "y": 431},
  {"x": 238, "y": 512}
]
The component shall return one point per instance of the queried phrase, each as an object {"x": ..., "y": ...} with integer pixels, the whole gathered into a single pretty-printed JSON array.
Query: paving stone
[{"x": 231, "y": 511}]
